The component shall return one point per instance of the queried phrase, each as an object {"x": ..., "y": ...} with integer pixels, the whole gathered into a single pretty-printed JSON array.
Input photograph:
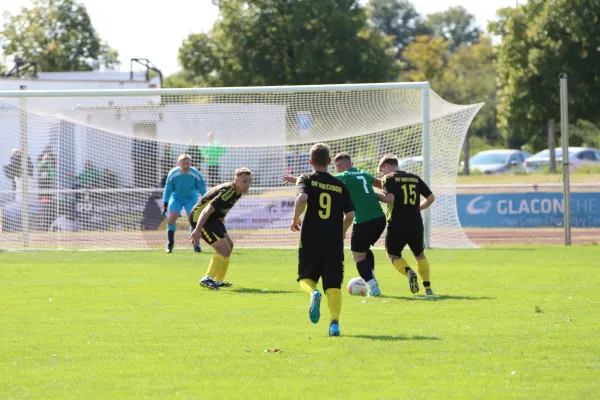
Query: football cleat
[
  {"x": 375, "y": 291},
  {"x": 224, "y": 284},
  {"x": 314, "y": 311},
  {"x": 334, "y": 328},
  {"x": 169, "y": 249},
  {"x": 413, "y": 282},
  {"x": 208, "y": 283},
  {"x": 197, "y": 249},
  {"x": 429, "y": 293}
]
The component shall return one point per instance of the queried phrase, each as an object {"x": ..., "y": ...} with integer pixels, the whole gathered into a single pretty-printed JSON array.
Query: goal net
[{"x": 84, "y": 169}]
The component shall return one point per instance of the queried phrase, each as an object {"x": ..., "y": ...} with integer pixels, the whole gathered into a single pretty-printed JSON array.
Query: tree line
[{"x": 512, "y": 65}]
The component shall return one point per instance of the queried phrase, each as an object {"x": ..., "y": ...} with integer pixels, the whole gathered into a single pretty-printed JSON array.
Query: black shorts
[
  {"x": 212, "y": 231},
  {"x": 366, "y": 234},
  {"x": 315, "y": 262},
  {"x": 399, "y": 236}
]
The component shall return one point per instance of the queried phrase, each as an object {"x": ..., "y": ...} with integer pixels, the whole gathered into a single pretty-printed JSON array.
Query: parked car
[
  {"x": 498, "y": 161},
  {"x": 415, "y": 165},
  {"x": 577, "y": 157}
]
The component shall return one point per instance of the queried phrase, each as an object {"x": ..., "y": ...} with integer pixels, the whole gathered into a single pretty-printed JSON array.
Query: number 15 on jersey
[{"x": 410, "y": 194}]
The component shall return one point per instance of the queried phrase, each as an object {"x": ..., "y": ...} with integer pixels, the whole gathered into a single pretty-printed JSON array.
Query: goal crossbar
[{"x": 213, "y": 91}]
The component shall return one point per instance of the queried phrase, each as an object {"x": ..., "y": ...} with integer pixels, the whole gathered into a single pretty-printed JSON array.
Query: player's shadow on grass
[
  {"x": 391, "y": 338},
  {"x": 260, "y": 291},
  {"x": 440, "y": 298}
]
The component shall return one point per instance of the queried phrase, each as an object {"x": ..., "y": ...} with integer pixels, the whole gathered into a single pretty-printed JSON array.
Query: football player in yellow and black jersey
[
  {"x": 329, "y": 213},
  {"x": 402, "y": 192},
  {"x": 207, "y": 218}
]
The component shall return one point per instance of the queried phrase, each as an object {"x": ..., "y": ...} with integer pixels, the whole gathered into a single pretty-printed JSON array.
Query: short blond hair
[
  {"x": 243, "y": 171},
  {"x": 184, "y": 157},
  {"x": 341, "y": 157},
  {"x": 388, "y": 159}
]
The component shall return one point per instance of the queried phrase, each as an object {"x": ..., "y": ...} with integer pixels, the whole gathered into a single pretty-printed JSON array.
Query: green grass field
[{"x": 510, "y": 323}]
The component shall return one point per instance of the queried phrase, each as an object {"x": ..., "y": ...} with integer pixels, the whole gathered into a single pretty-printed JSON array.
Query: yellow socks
[
  {"x": 308, "y": 286},
  {"x": 334, "y": 297},
  {"x": 423, "y": 266},
  {"x": 220, "y": 275},
  {"x": 400, "y": 264},
  {"x": 217, "y": 263},
  {"x": 334, "y": 301}
]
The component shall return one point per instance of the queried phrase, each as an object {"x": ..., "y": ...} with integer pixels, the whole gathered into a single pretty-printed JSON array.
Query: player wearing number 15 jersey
[
  {"x": 329, "y": 214},
  {"x": 402, "y": 191}
]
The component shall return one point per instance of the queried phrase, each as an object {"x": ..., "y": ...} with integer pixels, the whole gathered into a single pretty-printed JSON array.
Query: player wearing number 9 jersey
[
  {"x": 369, "y": 219},
  {"x": 329, "y": 214},
  {"x": 402, "y": 191}
]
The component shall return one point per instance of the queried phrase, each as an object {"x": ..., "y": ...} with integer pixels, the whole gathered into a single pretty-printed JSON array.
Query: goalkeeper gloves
[{"x": 165, "y": 207}]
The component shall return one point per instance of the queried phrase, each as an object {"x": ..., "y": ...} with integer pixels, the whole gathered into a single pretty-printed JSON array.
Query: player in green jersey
[{"x": 369, "y": 218}]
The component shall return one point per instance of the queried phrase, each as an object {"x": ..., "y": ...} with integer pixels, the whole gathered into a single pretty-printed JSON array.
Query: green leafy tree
[
  {"x": 426, "y": 59},
  {"x": 584, "y": 133},
  {"x": 58, "y": 35},
  {"x": 466, "y": 76},
  {"x": 277, "y": 42},
  {"x": 456, "y": 25},
  {"x": 541, "y": 40},
  {"x": 470, "y": 77},
  {"x": 398, "y": 19},
  {"x": 178, "y": 80}
]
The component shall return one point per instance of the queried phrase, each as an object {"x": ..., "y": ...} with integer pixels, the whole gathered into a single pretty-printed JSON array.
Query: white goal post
[{"x": 91, "y": 177}]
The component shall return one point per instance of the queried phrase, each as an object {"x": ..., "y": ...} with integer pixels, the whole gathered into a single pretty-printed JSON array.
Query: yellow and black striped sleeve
[{"x": 224, "y": 200}]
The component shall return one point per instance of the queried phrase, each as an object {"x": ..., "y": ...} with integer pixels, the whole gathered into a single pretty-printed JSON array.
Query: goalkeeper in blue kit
[{"x": 183, "y": 186}]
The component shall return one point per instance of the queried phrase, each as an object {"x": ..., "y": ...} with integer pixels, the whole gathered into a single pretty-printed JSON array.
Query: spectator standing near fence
[
  {"x": 46, "y": 207},
  {"x": 46, "y": 175},
  {"x": 195, "y": 152},
  {"x": 167, "y": 162},
  {"x": 14, "y": 169},
  {"x": 89, "y": 178},
  {"x": 213, "y": 153},
  {"x": 49, "y": 153},
  {"x": 109, "y": 180}
]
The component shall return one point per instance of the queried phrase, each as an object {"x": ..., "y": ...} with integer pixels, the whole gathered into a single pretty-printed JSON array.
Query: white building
[
  {"x": 81, "y": 80},
  {"x": 41, "y": 131}
]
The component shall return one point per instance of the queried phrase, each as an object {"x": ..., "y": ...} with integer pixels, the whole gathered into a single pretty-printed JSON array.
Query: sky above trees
[{"x": 164, "y": 28}]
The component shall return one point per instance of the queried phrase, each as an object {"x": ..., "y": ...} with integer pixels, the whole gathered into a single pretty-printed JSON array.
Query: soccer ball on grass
[{"x": 357, "y": 287}]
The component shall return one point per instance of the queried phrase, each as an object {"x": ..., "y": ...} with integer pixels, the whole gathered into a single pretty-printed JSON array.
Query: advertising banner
[
  {"x": 527, "y": 210},
  {"x": 260, "y": 213}
]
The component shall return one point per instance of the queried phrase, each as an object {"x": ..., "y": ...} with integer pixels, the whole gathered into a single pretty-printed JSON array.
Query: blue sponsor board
[
  {"x": 527, "y": 210},
  {"x": 304, "y": 119}
]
